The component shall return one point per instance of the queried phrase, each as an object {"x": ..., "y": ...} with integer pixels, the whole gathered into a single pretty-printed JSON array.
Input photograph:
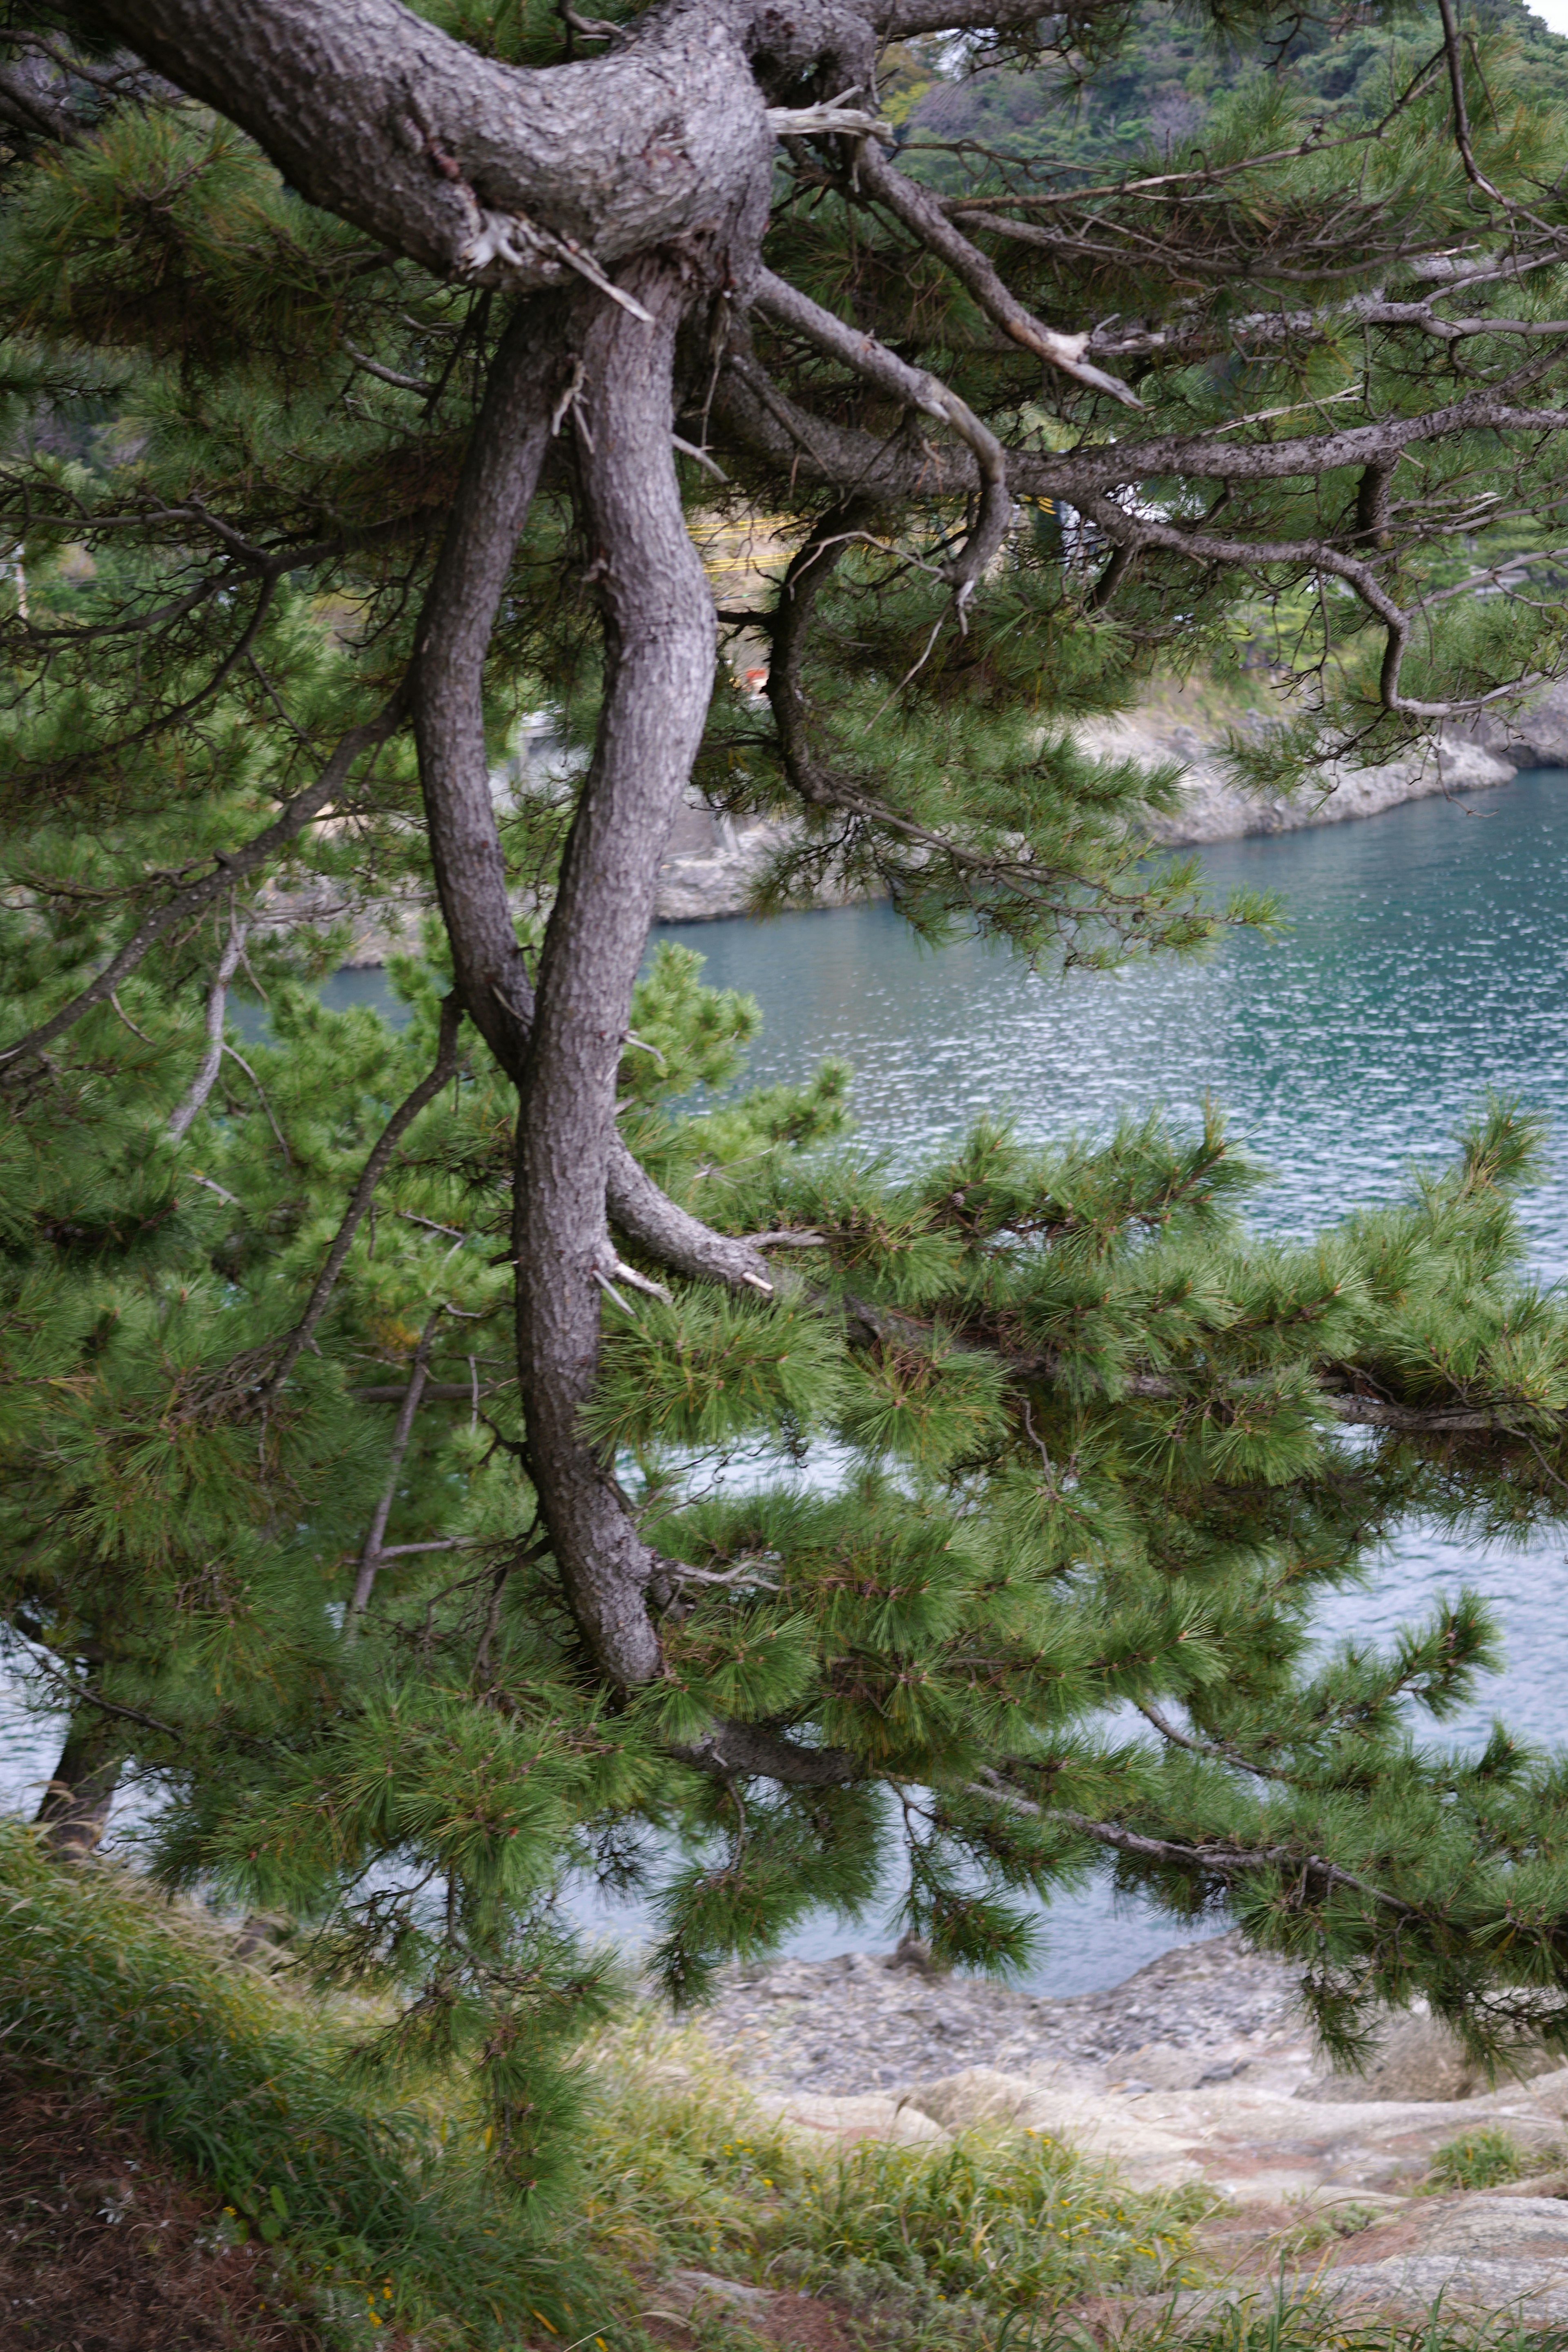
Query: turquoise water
[{"x": 1425, "y": 959}]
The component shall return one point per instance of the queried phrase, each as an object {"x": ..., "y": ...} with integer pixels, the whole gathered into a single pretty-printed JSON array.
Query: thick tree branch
[
  {"x": 659, "y": 641},
  {"x": 840, "y": 458},
  {"x": 490, "y": 173},
  {"x": 38, "y": 107},
  {"x": 747, "y": 1750},
  {"x": 511, "y": 440},
  {"x": 506, "y": 458}
]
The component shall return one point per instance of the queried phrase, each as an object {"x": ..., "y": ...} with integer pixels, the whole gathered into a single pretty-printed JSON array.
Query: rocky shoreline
[
  {"x": 870, "y": 2022},
  {"x": 711, "y": 863},
  {"x": 708, "y": 871},
  {"x": 1197, "y": 2069}
]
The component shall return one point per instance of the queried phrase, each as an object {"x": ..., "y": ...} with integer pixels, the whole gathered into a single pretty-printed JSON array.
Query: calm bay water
[{"x": 1427, "y": 959}]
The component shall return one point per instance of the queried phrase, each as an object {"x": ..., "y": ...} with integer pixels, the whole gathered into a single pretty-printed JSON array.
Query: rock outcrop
[
  {"x": 712, "y": 861},
  {"x": 1535, "y": 737},
  {"x": 1197, "y": 2069},
  {"x": 1417, "y": 2057},
  {"x": 1213, "y": 809}
]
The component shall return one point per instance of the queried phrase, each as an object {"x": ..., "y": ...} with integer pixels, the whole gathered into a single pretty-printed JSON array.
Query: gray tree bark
[{"x": 661, "y": 645}]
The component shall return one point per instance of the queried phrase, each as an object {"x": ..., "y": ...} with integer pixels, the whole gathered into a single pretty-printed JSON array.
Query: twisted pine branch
[{"x": 924, "y": 217}]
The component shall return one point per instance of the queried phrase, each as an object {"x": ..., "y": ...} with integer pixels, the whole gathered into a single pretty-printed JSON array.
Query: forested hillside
[{"x": 1116, "y": 105}]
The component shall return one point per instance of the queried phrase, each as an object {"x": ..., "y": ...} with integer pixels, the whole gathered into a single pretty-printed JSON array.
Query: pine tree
[{"x": 373, "y": 378}]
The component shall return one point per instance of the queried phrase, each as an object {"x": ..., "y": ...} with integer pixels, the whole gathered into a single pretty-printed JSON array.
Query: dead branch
[
  {"x": 371, "y": 1557},
  {"x": 202, "y": 1085}
]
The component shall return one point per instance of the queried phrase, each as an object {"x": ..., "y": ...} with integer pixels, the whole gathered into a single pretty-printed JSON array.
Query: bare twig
[
  {"x": 235, "y": 1056},
  {"x": 372, "y": 1556}
]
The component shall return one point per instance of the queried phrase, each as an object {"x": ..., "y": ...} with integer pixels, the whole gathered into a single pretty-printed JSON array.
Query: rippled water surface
[{"x": 1427, "y": 959}]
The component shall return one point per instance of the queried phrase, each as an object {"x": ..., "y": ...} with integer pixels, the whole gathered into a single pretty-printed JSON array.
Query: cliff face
[
  {"x": 1534, "y": 738},
  {"x": 708, "y": 869}
]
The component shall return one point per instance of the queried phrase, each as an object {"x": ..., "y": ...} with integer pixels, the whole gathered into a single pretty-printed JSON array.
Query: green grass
[
  {"x": 950, "y": 2236},
  {"x": 378, "y": 2214},
  {"x": 1479, "y": 2159},
  {"x": 386, "y": 2222}
]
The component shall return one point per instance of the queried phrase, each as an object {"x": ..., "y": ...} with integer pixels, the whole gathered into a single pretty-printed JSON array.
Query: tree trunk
[
  {"x": 660, "y": 643},
  {"x": 75, "y": 1811}
]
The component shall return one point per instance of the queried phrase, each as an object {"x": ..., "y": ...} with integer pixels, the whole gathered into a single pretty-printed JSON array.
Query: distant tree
[{"x": 374, "y": 376}]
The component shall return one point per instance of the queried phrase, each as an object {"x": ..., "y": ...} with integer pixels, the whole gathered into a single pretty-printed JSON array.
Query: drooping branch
[
  {"x": 511, "y": 440},
  {"x": 659, "y": 644},
  {"x": 1133, "y": 530},
  {"x": 1008, "y": 870},
  {"x": 915, "y": 388},
  {"x": 809, "y": 570},
  {"x": 927, "y": 220},
  {"x": 230, "y": 867},
  {"x": 1229, "y": 1861},
  {"x": 761, "y": 418}
]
